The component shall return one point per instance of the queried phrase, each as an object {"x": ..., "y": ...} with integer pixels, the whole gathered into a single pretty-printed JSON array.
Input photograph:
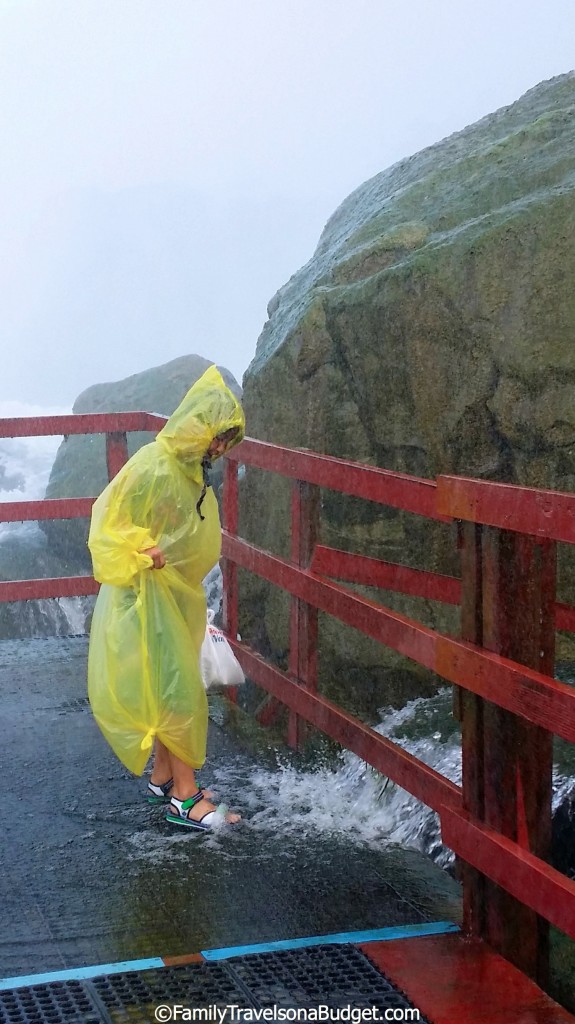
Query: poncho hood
[{"x": 209, "y": 408}]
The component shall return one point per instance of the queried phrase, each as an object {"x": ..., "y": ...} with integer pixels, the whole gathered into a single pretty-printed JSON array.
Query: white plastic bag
[{"x": 218, "y": 663}]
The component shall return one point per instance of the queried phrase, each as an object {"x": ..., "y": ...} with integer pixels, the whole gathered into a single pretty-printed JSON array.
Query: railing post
[
  {"x": 230, "y": 615},
  {"x": 305, "y": 517},
  {"x": 469, "y": 709},
  {"x": 508, "y": 607},
  {"x": 116, "y": 452}
]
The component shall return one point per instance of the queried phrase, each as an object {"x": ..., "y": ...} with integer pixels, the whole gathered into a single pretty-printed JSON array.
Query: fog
[{"x": 166, "y": 165}]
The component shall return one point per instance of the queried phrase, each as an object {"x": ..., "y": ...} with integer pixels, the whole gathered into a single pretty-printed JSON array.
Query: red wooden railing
[
  {"x": 115, "y": 427},
  {"x": 498, "y": 822}
]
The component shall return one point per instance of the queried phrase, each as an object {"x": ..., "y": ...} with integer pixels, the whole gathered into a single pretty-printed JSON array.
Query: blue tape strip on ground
[
  {"x": 374, "y": 935},
  {"x": 80, "y": 973}
]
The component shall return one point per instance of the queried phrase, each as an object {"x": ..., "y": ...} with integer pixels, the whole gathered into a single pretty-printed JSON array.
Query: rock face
[
  {"x": 80, "y": 465},
  {"x": 431, "y": 332}
]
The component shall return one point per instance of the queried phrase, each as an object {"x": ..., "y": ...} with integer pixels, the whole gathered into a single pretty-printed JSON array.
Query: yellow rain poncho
[{"x": 149, "y": 624}]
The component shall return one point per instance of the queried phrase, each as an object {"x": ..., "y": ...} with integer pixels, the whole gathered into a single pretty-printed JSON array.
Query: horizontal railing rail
[
  {"x": 398, "y": 490},
  {"x": 549, "y": 515},
  {"x": 401, "y": 579},
  {"x": 45, "y": 508},
  {"x": 80, "y": 423},
  {"x": 375, "y": 572},
  {"x": 59, "y": 586},
  {"x": 529, "y": 879}
]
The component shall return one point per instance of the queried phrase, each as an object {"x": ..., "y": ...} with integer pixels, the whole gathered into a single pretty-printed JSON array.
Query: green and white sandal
[{"x": 178, "y": 813}]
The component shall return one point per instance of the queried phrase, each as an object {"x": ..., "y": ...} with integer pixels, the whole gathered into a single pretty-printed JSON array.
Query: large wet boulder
[{"x": 431, "y": 332}]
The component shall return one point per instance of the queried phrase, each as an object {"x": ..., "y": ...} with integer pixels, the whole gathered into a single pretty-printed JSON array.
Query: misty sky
[{"x": 166, "y": 165}]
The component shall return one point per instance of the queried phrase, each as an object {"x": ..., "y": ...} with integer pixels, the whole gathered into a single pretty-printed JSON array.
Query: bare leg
[
  {"x": 162, "y": 770},
  {"x": 185, "y": 786}
]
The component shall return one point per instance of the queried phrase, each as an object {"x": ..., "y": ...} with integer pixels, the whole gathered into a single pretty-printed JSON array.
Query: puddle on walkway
[{"x": 93, "y": 874}]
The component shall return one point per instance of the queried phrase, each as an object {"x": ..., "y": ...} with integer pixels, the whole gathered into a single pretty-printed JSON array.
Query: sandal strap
[
  {"x": 211, "y": 815},
  {"x": 218, "y": 812},
  {"x": 183, "y": 806},
  {"x": 160, "y": 789}
]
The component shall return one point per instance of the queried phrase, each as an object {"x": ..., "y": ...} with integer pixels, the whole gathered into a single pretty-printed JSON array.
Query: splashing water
[
  {"x": 350, "y": 801},
  {"x": 213, "y": 586}
]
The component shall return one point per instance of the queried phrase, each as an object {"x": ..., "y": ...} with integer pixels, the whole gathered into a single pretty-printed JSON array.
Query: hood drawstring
[{"x": 206, "y": 467}]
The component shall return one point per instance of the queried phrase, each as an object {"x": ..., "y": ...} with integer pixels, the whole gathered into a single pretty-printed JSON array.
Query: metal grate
[
  {"x": 62, "y": 1002},
  {"x": 192, "y": 985},
  {"x": 334, "y": 975}
]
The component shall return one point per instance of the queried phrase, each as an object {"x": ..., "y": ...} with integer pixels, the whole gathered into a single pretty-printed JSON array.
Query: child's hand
[{"x": 157, "y": 556}]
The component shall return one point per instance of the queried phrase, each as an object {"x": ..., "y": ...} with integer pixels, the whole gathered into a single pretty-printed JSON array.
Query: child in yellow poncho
[{"x": 155, "y": 534}]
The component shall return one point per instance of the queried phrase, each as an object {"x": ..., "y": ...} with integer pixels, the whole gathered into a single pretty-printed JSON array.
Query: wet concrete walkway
[{"x": 91, "y": 874}]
